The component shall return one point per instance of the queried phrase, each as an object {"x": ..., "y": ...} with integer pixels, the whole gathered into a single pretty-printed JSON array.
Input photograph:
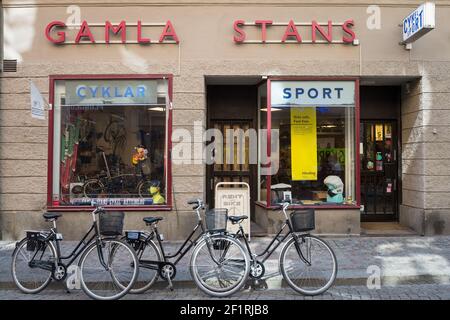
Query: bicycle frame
[
  {"x": 180, "y": 253},
  {"x": 79, "y": 249},
  {"x": 268, "y": 251}
]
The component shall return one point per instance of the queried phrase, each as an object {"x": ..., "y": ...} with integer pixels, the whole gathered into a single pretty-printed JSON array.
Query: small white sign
[
  {"x": 37, "y": 103},
  {"x": 419, "y": 22},
  {"x": 312, "y": 93},
  {"x": 234, "y": 196}
]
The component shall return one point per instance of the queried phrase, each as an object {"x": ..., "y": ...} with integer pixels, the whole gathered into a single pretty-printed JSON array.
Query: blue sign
[
  {"x": 99, "y": 92},
  {"x": 419, "y": 22},
  {"x": 312, "y": 93}
]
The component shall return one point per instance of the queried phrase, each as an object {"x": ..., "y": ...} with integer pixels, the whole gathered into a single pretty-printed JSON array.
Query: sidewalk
[{"x": 401, "y": 261}]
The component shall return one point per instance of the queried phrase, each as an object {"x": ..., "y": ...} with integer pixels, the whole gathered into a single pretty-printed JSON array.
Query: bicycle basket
[
  {"x": 216, "y": 220},
  {"x": 35, "y": 241},
  {"x": 111, "y": 223},
  {"x": 303, "y": 220}
]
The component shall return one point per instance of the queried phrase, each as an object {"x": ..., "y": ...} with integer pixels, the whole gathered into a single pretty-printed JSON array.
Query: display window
[
  {"x": 317, "y": 145},
  {"x": 110, "y": 141}
]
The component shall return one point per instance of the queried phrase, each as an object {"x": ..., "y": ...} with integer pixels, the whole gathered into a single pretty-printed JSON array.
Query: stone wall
[{"x": 426, "y": 151}]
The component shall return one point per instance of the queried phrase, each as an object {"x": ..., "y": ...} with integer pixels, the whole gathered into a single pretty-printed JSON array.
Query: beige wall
[{"x": 206, "y": 48}]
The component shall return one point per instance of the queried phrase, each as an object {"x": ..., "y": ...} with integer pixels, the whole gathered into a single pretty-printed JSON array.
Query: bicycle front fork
[{"x": 306, "y": 259}]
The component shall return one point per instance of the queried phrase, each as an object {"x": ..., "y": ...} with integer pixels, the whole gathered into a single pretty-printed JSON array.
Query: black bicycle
[
  {"x": 105, "y": 260},
  {"x": 117, "y": 184},
  {"x": 307, "y": 263},
  {"x": 219, "y": 263}
]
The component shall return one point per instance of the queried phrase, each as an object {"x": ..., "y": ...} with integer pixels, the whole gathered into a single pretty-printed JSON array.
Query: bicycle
[
  {"x": 104, "y": 262},
  {"x": 117, "y": 184},
  {"x": 307, "y": 263},
  {"x": 219, "y": 264}
]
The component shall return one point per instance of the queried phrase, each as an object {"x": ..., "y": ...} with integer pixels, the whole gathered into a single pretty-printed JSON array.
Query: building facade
[{"x": 344, "y": 118}]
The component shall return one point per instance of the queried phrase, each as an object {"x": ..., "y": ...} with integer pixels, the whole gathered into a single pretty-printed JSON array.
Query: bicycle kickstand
[{"x": 170, "y": 283}]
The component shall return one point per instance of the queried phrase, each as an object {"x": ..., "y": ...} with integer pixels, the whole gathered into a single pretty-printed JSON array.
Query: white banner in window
[
  {"x": 312, "y": 93},
  {"x": 37, "y": 103}
]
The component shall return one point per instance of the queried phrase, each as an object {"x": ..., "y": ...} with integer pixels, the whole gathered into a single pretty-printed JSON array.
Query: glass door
[{"x": 379, "y": 170}]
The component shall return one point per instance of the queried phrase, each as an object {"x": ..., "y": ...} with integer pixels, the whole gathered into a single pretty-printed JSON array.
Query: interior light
[
  {"x": 272, "y": 109},
  {"x": 160, "y": 109}
]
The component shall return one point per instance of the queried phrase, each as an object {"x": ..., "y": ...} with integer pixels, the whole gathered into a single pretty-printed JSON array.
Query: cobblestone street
[
  {"x": 407, "y": 268},
  {"x": 401, "y": 292}
]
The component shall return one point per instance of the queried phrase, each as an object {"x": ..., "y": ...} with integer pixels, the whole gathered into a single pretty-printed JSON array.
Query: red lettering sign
[
  {"x": 316, "y": 27},
  {"x": 346, "y": 27},
  {"x": 291, "y": 31},
  {"x": 122, "y": 28},
  {"x": 61, "y": 34},
  {"x": 168, "y": 31},
  {"x": 263, "y": 24},
  {"x": 237, "y": 27},
  {"x": 84, "y": 32}
]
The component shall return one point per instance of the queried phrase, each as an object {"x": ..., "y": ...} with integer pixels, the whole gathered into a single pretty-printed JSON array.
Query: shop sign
[
  {"x": 57, "y": 32},
  {"x": 419, "y": 22},
  {"x": 307, "y": 93},
  {"x": 296, "y": 32},
  {"x": 235, "y": 197},
  {"x": 95, "y": 92}
]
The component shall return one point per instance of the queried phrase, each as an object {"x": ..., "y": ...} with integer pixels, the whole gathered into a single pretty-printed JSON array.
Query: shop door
[
  {"x": 379, "y": 170},
  {"x": 235, "y": 170}
]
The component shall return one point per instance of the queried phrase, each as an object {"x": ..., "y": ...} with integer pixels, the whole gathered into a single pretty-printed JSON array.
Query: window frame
[
  {"x": 55, "y": 206},
  {"x": 356, "y": 80}
]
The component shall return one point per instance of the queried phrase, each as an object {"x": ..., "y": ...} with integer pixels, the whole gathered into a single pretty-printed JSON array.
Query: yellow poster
[{"x": 303, "y": 143}]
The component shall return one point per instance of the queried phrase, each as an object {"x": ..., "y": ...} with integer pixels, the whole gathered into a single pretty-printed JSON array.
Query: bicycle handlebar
[
  {"x": 198, "y": 205},
  {"x": 197, "y": 202}
]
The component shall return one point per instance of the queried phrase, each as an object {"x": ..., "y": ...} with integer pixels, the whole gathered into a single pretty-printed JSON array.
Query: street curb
[{"x": 276, "y": 284}]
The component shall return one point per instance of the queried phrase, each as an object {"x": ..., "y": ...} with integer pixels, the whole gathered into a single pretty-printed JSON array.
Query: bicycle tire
[
  {"x": 87, "y": 184},
  {"x": 283, "y": 266},
  {"x": 142, "y": 187},
  {"x": 142, "y": 270},
  {"x": 216, "y": 291},
  {"x": 84, "y": 273},
  {"x": 18, "y": 282}
]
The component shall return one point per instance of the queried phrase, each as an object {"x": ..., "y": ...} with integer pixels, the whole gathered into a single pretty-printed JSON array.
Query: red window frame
[
  {"x": 51, "y": 206},
  {"x": 268, "y": 205}
]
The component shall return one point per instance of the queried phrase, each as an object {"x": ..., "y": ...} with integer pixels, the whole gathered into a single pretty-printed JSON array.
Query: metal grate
[{"x": 9, "y": 66}]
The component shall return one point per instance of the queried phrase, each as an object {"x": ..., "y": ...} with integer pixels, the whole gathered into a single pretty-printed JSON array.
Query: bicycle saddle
[
  {"x": 150, "y": 220},
  {"x": 236, "y": 219},
  {"x": 51, "y": 215}
]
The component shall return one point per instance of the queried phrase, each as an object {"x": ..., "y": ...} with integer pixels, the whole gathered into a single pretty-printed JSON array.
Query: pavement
[{"x": 407, "y": 267}]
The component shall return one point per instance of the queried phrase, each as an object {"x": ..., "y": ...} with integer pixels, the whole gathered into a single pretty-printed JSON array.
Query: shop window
[
  {"x": 110, "y": 142},
  {"x": 316, "y": 152}
]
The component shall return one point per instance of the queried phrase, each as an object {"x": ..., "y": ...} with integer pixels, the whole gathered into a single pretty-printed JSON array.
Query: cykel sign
[{"x": 419, "y": 22}]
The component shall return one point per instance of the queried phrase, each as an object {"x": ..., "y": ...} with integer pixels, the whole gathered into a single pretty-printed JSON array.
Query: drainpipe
[{"x": 1, "y": 37}]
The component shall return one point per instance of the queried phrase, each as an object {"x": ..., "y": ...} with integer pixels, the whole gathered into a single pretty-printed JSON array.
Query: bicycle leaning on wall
[
  {"x": 307, "y": 263},
  {"x": 105, "y": 260},
  {"x": 219, "y": 263}
]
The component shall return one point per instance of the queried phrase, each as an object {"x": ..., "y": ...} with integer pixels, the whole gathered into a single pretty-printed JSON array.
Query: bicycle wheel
[
  {"x": 103, "y": 265},
  {"x": 92, "y": 188},
  {"x": 219, "y": 265},
  {"x": 308, "y": 265},
  {"x": 31, "y": 265},
  {"x": 148, "y": 273},
  {"x": 143, "y": 188}
]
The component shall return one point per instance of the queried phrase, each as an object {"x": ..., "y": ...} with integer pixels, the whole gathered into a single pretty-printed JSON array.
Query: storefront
[{"x": 334, "y": 114}]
